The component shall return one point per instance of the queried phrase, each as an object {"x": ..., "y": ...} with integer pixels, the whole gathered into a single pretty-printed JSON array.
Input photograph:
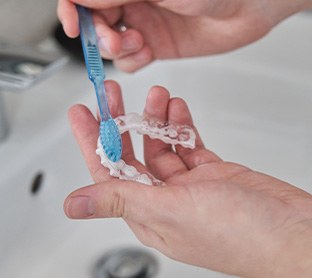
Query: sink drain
[{"x": 127, "y": 263}]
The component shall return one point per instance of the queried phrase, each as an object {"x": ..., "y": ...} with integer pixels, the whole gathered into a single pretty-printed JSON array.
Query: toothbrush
[{"x": 109, "y": 133}]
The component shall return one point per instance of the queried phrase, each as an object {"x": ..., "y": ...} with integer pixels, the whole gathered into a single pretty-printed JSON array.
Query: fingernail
[
  {"x": 80, "y": 207},
  {"x": 103, "y": 45},
  {"x": 129, "y": 43}
]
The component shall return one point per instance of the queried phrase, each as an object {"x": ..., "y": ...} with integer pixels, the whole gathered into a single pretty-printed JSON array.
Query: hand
[
  {"x": 210, "y": 213},
  {"x": 174, "y": 29}
]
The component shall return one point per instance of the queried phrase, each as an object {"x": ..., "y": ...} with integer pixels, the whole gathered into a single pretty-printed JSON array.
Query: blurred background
[
  {"x": 251, "y": 106},
  {"x": 27, "y": 22}
]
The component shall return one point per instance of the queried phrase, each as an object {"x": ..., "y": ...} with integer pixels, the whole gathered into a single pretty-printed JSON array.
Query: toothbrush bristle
[{"x": 111, "y": 140}]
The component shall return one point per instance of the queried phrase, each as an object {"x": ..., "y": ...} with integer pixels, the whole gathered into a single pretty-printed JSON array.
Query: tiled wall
[{"x": 27, "y": 21}]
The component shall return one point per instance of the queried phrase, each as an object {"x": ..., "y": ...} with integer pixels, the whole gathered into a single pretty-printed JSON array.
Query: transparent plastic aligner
[
  {"x": 124, "y": 171},
  {"x": 169, "y": 133}
]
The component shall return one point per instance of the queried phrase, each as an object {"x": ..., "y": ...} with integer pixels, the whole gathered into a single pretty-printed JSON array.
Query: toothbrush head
[{"x": 111, "y": 140}]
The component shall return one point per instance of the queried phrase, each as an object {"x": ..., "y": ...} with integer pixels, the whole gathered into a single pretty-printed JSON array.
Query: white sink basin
[{"x": 252, "y": 106}]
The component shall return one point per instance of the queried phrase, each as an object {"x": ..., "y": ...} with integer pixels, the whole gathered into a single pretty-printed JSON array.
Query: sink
[{"x": 251, "y": 106}]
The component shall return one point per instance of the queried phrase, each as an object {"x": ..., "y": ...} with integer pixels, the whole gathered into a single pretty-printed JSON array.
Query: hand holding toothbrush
[{"x": 176, "y": 28}]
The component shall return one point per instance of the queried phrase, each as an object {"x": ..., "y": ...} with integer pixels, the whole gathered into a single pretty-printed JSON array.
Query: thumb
[{"x": 118, "y": 198}]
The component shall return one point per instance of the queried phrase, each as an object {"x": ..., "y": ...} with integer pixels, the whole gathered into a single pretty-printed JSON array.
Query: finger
[
  {"x": 129, "y": 200},
  {"x": 115, "y": 102},
  {"x": 179, "y": 113},
  {"x": 134, "y": 202},
  {"x": 67, "y": 13},
  {"x": 136, "y": 60},
  {"x": 111, "y": 16},
  {"x": 86, "y": 130},
  {"x": 131, "y": 42},
  {"x": 109, "y": 41},
  {"x": 114, "y": 98},
  {"x": 112, "y": 43},
  {"x": 159, "y": 157},
  {"x": 116, "y": 45}
]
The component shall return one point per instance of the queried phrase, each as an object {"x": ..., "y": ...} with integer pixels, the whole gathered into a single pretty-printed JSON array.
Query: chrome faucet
[{"x": 20, "y": 68}]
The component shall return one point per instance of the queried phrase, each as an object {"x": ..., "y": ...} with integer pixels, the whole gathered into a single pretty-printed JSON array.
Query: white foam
[{"x": 167, "y": 132}]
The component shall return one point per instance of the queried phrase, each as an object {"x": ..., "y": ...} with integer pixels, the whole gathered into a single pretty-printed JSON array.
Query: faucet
[{"x": 21, "y": 67}]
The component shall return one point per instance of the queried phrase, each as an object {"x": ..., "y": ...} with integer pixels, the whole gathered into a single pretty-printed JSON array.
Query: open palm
[{"x": 210, "y": 213}]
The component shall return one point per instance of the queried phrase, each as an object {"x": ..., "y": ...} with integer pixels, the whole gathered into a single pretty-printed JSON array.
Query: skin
[
  {"x": 211, "y": 213},
  {"x": 176, "y": 28}
]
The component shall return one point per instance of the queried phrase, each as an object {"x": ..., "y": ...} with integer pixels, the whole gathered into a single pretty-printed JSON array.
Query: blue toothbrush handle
[
  {"x": 87, "y": 31},
  {"x": 109, "y": 132},
  {"x": 102, "y": 100},
  {"x": 93, "y": 59}
]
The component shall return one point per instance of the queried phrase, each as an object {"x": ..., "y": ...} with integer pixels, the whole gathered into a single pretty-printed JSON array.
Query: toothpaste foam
[{"x": 167, "y": 132}]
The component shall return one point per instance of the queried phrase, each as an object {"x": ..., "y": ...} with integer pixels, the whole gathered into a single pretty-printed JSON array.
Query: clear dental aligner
[{"x": 169, "y": 133}]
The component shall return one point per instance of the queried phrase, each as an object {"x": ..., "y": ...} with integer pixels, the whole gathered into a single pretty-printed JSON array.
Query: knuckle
[{"x": 117, "y": 205}]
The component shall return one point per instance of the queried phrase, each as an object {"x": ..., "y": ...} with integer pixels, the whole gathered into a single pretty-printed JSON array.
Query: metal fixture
[
  {"x": 127, "y": 263},
  {"x": 20, "y": 68}
]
